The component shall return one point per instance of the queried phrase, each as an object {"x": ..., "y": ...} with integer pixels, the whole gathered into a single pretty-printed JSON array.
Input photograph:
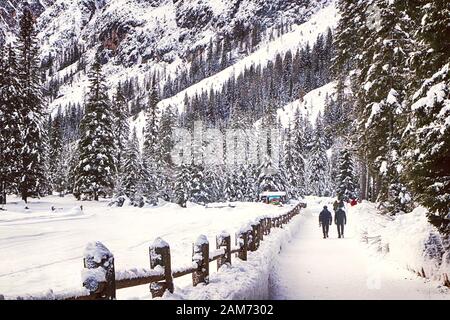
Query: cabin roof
[{"x": 272, "y": 193}]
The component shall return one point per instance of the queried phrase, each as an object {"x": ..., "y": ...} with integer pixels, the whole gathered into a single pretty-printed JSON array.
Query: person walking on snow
[
  {"x": 340, "y": 219},
  {"x": 325, "y": 220}
]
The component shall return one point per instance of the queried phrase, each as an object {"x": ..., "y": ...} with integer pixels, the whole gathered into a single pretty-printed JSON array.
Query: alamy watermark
[{"x": 233, "y": 147}]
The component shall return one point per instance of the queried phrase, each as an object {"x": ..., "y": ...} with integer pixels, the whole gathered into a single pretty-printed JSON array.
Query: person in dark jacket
[
  {"x": 325, "y": 220},
  {"x": 340, "y": 219}
]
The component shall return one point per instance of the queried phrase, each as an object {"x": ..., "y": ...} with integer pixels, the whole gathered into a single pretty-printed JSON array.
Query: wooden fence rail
[{"x": 101, "y": 280}]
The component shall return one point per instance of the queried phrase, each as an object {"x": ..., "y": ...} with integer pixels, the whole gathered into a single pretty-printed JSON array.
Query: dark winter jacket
[
  {"x": 340, "y": 217},
  {"x": 325, "y": 217}
]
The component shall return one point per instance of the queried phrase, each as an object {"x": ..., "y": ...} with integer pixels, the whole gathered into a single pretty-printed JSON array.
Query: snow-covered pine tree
[
  {"x": 96, "y": 165},
  {"x": 229, "y": 192},
  {"x": 132, "y": 167},
  {"x": 149, "y": 153},
  {"x": 10, "y": 120},
  {"x": 426, "y": 164},
  {"x": 121, "y": 126},
  {"x": 308, "y": 132},
  {"x": 298, "y": 150},
  {"x": 214, "y": 182},
  {"x": 268, "y": 176},
  {"x": 163, "y": 155},
  {"x": 32, "y": 179},
  {"x": 56, "y": 161},
  {"x": 62, "y": 172},
  {"x": 199, "y": 190},
  {"x": 284, "y": 175},
  {"x": 385, "y": 78},
  {"x": 73, "y": 157},
  {"x": 347, "y": 184},
  {"x": 318, "y": 165},
  {"x": 182, "y": 185}
]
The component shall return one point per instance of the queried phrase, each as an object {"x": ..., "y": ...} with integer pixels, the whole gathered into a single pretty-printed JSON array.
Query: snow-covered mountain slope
[
  {"x": 312, "y": 103},
  {"x": 297, "y": 38},
  {"x": 300, "y": 36},
  {"x": 134, "y": 37}
]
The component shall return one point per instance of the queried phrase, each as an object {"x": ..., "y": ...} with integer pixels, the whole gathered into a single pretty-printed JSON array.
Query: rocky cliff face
[
  {"x": 10, "y": 11},
  {"x": 130, "y": 30}
]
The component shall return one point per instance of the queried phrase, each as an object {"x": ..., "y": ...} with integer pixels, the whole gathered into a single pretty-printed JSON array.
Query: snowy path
[{"x": 314, "y": 268}]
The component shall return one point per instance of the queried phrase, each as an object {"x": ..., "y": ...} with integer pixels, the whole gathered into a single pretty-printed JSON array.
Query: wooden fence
[{"x": 100, "y": 280}]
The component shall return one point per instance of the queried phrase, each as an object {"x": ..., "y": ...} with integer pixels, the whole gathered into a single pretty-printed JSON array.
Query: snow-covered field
[
  {"x": 42, "y": 249},
  {"x": 315, "y": 268}
]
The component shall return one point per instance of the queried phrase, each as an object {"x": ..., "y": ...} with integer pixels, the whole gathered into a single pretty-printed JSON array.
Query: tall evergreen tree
[
  {"x": 96, "y": 166},
  {"x": 132, "y": 168},
  {"x": 121, "y": 126},
  {"x": 427, "y": 134},
  {"x": 56, "y": 162},
  {"x": 318, "y": 163},
  {"x": 183, "y": 184},
  {"x": 163, "y": 157},
  {"x": 32, "y": 179},
  {"x": 10, "y": 120},
  {"x": 346, "y": 188},
  {"x": 150, "y": 151}
]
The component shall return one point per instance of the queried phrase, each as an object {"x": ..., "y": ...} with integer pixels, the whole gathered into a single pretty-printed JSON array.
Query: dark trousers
[
  {"x": 340, "y": 228},
  {"x": 325, "y": 229}
]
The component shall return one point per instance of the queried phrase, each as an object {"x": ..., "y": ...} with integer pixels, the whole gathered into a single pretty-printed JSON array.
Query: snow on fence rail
[{"x": 100, "y": 280}]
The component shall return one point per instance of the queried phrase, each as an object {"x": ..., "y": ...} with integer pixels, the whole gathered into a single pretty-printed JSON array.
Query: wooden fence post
[
  {"x": 224, "y": 241},
  {"x": 269, "y": 223},
  {"x": 160, "y": 259},
  {"x": 446, "y": 280},
  {"x": 261, "y": 230},
  {"x": 200, "y": 255},
  {"x": 99, "y": 277},
  {"x": 257, "y": 234},
  {"x": 242, "y": 241},
  {"x": 253, "y": 244}
]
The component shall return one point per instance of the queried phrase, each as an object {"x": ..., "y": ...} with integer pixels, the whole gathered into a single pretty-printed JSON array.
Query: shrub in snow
[{"x": 118, "y": 202}]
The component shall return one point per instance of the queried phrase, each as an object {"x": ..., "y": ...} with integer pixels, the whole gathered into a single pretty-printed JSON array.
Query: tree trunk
[
  {"x": 376, "y": 182},
  {"x": 24, "y": 195},
  {"x": 2, "y": 192},
  {"x": 363, "y": 181}
]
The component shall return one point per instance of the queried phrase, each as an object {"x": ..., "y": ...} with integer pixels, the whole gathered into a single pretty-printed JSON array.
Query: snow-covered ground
[
  {"x": 41, "y": 249},
  {"x": 315, "y": 268}
]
